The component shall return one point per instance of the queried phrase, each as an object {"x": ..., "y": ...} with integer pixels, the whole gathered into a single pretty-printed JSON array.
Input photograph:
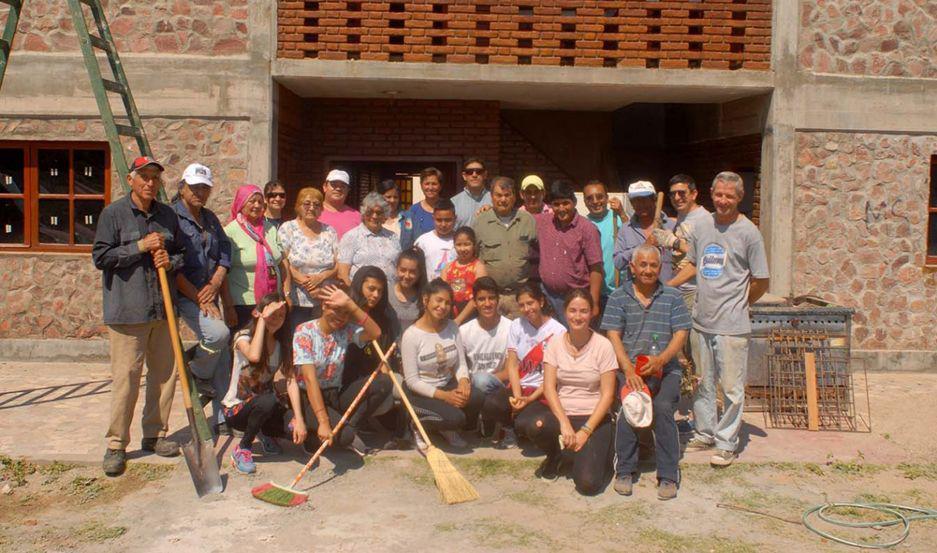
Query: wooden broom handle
[
  {"x": 174, "y": 336},
  {"x": 341, "y": 422},
  {"x": 658, "y": 209},
  {"x": 403, "y": 395}
]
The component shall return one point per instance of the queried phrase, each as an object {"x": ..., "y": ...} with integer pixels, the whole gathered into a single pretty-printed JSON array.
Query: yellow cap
[{"x": 532, "y": 180}]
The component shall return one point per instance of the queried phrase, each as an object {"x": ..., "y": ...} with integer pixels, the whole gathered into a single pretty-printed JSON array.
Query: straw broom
[
  {"x": 288, "y": 496},
  {"x": 453, "y": 487}
]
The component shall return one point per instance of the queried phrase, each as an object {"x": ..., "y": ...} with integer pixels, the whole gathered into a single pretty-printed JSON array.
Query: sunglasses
[
  {"x": 678, "y": 193},
  {"x": 473, "y": 171},
  {"x": 276, "y": 195}
]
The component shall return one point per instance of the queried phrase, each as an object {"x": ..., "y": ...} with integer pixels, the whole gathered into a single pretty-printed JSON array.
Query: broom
[
  {"x": 453, "y": 487},
  {"x": 288, "y": 496}
]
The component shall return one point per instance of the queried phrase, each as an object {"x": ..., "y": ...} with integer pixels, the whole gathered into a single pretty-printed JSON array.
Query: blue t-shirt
[
  {"x": 326, "y": 353},
  {"x": 415, "y": 223},
  {"x": 606, "y": 226}
]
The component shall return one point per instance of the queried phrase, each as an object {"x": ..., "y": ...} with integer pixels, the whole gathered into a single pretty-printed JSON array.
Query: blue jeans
[
  {"x": 485, "y": 382},
  {"x": 212, "y": 359},
  {"x": 556, "y": 302},
  {"x": 723, "y": 360},
  {"x": 666, "y": 437}
]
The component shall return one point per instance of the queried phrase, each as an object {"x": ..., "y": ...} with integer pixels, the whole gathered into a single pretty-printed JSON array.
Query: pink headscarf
[{"x": 265, "y": 275}]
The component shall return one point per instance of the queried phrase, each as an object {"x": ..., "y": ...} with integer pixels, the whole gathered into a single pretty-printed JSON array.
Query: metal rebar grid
[{"x": 787, "y": 383}]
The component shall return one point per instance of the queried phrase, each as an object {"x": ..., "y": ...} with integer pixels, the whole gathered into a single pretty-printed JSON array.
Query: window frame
[
  {"x": 31, "y": 194},
  {"x": 931, "y": 260}
]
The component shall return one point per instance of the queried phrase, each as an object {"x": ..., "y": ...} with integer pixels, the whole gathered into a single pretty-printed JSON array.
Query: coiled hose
[{"x": 901, "y": 514}]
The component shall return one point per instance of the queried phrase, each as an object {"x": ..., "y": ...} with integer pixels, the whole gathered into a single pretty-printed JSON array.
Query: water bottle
[{"x": 655, "y": 345}]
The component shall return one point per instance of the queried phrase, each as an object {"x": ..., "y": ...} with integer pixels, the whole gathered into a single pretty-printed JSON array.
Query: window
[
  {"x": 51, "y": 194},
  {"x": 932, "y": 214}
]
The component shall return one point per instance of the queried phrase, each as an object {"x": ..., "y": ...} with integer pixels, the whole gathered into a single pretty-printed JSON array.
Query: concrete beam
[{"x": 518, "y": 87}]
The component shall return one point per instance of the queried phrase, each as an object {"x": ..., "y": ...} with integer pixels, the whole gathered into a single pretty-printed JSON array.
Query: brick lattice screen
[{"x": 715, "y": 34}]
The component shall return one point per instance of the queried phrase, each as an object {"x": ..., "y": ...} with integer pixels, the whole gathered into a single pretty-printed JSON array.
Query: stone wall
[
  {"x": 205, "y": 27},
  {"x": 886, "y": 38},
  {"x": 59, "y": 295},
  {"x": 860, "y": 233}
]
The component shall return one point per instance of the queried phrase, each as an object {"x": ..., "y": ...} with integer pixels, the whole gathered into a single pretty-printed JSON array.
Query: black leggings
[
  {"x": 591, "y": 464},
  {"x": 436, "y": 414},
  {"x": 262, "y": 413},
  {"x": 337, "y": 401}
]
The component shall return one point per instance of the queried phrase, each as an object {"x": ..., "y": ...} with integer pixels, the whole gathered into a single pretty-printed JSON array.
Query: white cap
[
  {"x": 532, "y": 180},
  {"x": 338, "y": 175},
  {"x": 641, "y": 188},
  {"x": 196, "y": 173},
  {"x": 638, "y": 409}
]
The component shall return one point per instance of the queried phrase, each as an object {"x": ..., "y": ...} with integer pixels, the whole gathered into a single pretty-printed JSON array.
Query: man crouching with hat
[
  {"x": 648, "y": 324},
  {"x": 136, "y": 236}
]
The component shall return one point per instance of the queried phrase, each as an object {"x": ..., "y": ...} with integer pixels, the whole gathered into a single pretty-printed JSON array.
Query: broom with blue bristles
[{"x": 289, "y": 496}]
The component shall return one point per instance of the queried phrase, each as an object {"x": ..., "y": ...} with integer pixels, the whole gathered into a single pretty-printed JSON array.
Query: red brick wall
[{"x": 718, "y": 34}]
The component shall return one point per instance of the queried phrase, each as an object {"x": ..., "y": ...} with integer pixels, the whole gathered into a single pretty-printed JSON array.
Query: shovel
[{"x": 199, "y": 453}]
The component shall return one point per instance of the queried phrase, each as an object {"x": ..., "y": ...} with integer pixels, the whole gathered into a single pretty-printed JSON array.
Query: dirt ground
[{"x": 389, "y": 502}]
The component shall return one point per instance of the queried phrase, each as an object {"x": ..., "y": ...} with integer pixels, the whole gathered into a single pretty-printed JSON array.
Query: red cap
[{"x": 144, "y": 161}]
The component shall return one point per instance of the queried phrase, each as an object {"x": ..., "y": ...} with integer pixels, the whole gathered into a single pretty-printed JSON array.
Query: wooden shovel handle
[
  {"x": 174, "y": 336},
  {"x": 341, "y": 422},
  {"x": 403, "y": 395},
  {"x": 658, "y": 208}
]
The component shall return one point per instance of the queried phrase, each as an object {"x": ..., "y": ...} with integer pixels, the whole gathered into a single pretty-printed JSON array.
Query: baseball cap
[
  {"x": 338, "y": 175},
  {"x": 641, "y": 189},
  {"x": 532, "y": 180},
  {"x": 144, "y": 161},
  {"x": 196, "y": 173},
  {"x": 638, "y": 409}
]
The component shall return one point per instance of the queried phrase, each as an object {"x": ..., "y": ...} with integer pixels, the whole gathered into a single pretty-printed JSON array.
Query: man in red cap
[{"x": 137, "y": 235}]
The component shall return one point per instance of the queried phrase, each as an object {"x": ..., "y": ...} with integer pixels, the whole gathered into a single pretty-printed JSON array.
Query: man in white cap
[
  {"x": 645, "y": 318},
  {"x": 334, "y": 211},
  {"x": 207, "y": 261},
  {"x": 532, "y": 193},
  {"x": 639, "y": 230}
]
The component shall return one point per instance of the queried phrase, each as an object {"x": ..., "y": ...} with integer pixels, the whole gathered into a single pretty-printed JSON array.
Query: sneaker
[
  {"x": 160, "y": 446},
  {"x": 624, "y": 484},
  {"x": 697, "y": 444},
  {"x": 358, "y": 447},
  {"x": 243, "y": 460},
  {"x": 722, "y": 458},
  {"x": 454, "y": 439},
  {"x": 269, "y": 445},
  {"x": 549, "y": 469},
  {"x": 418, "y": 442},
  {"x": 666, "y": 489},
  {"x": 115, "y": 462},
  {"x": 508, "y": 441}
]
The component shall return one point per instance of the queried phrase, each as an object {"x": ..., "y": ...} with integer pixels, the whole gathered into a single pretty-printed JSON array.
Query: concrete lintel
[
  {"x": 866, "y": 104},
  {"x": 574, "y": 88},
  {"x": 173, "y": 86}
]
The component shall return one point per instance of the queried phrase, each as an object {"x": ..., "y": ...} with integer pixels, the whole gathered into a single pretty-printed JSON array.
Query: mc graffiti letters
[{"x": 881, "y": 211}]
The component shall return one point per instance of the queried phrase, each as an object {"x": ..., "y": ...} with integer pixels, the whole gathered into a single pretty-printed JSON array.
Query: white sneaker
[
  {"x": 418, "y": 442},
  {"x": 509, "y": 441},
  {"x": 454, "y": 439}
]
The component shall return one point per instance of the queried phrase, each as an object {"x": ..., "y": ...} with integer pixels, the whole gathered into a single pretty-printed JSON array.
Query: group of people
[{"x": 512, "y": 321}]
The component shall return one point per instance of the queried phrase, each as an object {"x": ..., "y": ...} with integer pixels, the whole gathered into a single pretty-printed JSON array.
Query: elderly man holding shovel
[{"x": 136, "y": 236}]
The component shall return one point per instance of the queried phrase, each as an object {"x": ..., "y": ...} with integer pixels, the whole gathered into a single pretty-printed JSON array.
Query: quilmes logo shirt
[{"x": 713, "y": 261}]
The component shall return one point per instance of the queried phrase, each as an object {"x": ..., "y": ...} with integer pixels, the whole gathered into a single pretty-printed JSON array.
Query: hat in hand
[{"x": 638, "y": 408}]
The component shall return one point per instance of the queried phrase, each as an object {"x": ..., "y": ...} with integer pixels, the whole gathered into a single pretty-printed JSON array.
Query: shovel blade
[{"x": 203, "y": 467}]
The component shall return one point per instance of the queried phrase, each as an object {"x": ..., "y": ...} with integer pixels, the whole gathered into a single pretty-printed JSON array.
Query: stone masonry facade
[
  {"x": 201, "y": 27},
  {"x": 59, "y": 295},
  {"x": 860, "y": 225},
  {"x": 884, "y": 38}
]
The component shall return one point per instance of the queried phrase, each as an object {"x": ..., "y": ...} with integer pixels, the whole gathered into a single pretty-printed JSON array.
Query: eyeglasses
[
  {"x": 679, "y": 193},
  {"x": 276, "y": 195},
  {"x": 311, "y": 205},
  {"x": 473, "y": 171}
]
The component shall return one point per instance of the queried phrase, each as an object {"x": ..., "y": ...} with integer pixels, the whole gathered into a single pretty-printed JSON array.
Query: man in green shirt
[{"x": 505, "y": 237}]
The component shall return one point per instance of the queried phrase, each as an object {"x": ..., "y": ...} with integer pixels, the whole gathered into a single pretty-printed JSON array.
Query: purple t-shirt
[
  {"x": 342, "y": 221},
  {"x": 566, "y": 254}
]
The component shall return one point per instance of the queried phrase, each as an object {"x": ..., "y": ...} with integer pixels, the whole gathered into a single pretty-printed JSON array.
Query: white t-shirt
[
  {"x": 438, "y": 252},
  {"x": 485, "y": 349},
  {"x": 529, "y": 343}
]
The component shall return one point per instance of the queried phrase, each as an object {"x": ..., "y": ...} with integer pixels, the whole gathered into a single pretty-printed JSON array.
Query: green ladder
[{"x": 100, "y": 85}]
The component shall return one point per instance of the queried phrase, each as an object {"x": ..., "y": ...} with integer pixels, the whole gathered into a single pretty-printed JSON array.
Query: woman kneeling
[{"x": 579, "y": 383}]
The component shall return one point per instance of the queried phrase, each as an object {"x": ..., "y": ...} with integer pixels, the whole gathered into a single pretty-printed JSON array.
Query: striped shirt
[{"x": 665, "y": 315}]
